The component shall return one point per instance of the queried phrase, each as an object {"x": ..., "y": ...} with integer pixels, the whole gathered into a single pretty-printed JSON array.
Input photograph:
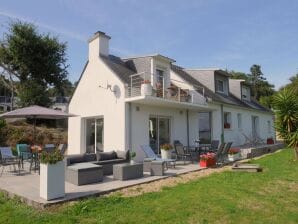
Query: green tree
[
  {"x": 31, "y": 59},
  {"x": 286, "y": 109},
  {"x": 262, "y": 90}
]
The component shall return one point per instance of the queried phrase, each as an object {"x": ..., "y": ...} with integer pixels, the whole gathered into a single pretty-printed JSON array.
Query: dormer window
[
  {"x": 245, "y": 93},
  {"x": 219, "y": 86}
]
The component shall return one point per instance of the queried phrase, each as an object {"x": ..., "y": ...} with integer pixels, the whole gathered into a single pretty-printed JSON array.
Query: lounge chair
[
  {"x": 182, "y": 152},
  {"x": 218, "y": 151},
  {"x": 151, "y": 156},
  {"x": 8, "y": 159}
]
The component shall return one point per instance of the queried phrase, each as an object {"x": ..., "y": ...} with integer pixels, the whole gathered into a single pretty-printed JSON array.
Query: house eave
[{"x": 160, "y": 102}]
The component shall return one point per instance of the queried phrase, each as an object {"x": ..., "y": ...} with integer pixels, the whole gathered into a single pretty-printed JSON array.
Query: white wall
[
  {"x": 89, "y": 100},
  {"x": 234, "y": 134},
  {"x": 140, "y": 125}
]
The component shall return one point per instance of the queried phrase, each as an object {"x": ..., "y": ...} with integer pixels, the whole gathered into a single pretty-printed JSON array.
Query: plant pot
[
  {"x": 234, "y": 157},
  {"x": 146, "y": 89},
  {"x": 52, "y": 180},
  {"x": 207, "y": 163},
  {"x": 166, "y": 154}
]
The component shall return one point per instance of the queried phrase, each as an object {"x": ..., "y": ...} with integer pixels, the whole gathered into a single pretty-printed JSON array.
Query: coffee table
[{"x": 126, "y": 171}]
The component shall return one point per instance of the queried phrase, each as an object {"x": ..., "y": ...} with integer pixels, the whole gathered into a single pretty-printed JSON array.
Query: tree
[
  {"x": 293, "y": 84},
  {"x": 66, "y": 89},
  {"x": 262, "y": 90},
  {"x": 31, "y": 59},
  {"x": 286, "y": 109}
]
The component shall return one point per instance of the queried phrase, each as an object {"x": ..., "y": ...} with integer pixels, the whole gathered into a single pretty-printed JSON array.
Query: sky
[{"x": 227, "y": 34}]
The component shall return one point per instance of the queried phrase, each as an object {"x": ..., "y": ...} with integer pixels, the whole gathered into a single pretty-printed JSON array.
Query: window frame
[{"x": 227, "y": 120}]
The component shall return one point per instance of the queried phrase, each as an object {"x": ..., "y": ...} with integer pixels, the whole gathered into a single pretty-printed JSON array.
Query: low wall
[{"x": 260, "y": 150}]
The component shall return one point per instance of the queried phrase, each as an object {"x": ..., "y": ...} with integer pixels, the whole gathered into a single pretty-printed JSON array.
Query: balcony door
[
  {"x": 205, "y": 127},
  {"x": 159, "y": 132},
  {"x": 94, "y": 134}
]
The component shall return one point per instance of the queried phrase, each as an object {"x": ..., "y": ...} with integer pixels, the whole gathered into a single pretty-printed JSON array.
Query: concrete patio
[{"x": 26, "y": 186}]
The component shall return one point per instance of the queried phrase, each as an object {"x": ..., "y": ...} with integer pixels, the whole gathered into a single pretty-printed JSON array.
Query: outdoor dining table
[{"x": 199, "y": 148}]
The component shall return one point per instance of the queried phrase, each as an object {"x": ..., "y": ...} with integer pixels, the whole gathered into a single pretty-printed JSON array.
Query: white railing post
[
  {"x": 179, "y": 94},
  {"x": 192, "y": 100}
]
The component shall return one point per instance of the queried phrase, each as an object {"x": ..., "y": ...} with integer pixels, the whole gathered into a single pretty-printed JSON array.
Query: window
[
  {"x": 159, "y": 76},
  {"x": 239, "y": 118},
  {"x": 269, "y": 126},
  {"x": 227, "y": 120},
  {"x": 219, "y": 86},
  {"x": 245, "y": 93}
]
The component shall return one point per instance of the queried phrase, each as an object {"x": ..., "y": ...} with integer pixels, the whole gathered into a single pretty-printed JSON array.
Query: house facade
[{"x": 123, "y": 103}]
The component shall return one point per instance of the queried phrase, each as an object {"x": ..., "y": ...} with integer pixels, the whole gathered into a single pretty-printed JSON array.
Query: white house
[{"x": 123, "y": 103}]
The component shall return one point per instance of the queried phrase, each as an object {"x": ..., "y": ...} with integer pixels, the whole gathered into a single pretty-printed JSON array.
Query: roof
[
  {"x": 118, "y": 66},
  {"x": 150, "y": 55},
  {"x": 216, "y": 70},
  {"x": 218, "y": 97}
]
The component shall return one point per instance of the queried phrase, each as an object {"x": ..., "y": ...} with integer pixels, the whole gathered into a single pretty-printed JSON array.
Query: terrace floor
[{"x": 26, "y": 185}]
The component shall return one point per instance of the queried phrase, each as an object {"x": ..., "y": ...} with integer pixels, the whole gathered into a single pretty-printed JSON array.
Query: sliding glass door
[
  {"x": 205, "y": 127},
  {"x": 159, "y": 132},
  {"x": 94, "y": 134}
]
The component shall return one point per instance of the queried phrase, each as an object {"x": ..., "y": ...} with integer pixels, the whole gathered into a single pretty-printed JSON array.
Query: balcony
[{"x": 150, "y": 88}]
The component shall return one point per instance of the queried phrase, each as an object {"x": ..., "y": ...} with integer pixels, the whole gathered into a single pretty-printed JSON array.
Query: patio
[{"x": 26, "y": 186}]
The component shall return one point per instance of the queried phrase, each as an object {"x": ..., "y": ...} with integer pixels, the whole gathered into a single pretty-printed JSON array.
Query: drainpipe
[
  {"x": 129, "y": 126},
  {"x": 222, "y": 136},
  {"x": 187, "y": 127}
]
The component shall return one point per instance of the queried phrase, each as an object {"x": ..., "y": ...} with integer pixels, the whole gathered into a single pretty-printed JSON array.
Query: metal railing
[{"x": 158, "y": 86}]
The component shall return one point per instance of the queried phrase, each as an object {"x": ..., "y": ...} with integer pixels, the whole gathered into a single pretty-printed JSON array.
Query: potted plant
[
  {"x": 270, "y": 141},
  {"x": 132, "y": 155},
  {"x": 52, "y": 175},
  {"x": 207, "y": 160},
  {"x": 166, "y": 151},
  {"x": 234, "y": 154},
  {"x": 146, "y": 88}
]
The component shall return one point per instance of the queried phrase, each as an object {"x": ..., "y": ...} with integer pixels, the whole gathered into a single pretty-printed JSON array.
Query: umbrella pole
[{"x": 34, "y": 131}]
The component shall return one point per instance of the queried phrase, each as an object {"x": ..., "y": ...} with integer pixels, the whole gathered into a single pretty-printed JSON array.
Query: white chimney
[{"x": 98, "y": 45}]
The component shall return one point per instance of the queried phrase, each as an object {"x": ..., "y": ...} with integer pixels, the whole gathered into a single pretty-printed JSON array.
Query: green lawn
[{"x": 228, "y": 197}]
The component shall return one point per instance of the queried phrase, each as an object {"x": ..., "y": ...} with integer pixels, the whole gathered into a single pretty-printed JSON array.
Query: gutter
[{"x": 222, "y": 136}]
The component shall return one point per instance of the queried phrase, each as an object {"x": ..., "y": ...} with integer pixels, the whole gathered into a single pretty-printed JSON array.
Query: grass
[{"x": 228, "y": 197}]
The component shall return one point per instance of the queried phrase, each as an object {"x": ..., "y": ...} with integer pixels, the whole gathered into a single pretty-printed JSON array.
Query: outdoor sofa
[{"x": 105, "y": 159}]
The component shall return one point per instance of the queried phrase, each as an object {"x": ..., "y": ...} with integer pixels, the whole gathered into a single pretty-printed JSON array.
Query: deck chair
[
  {"x": 225, "y": 152},
  {"x": 218, "y": 151},
  {"x": 24, "y": 153},
  {"x": 49, "y": 148},
  {"x": 8, "y": 159},
  {"x": 182, "y": 153},
  {"x": 214, "y": 145},
  {"x": 62, "y": 148},
  {"x": 150, "y": 155}
]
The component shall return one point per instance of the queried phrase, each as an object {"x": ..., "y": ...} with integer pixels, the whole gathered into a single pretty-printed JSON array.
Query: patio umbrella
[{"x": 36, "y": 112}]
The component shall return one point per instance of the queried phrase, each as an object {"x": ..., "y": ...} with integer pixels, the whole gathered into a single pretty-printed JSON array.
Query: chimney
[{"x": 98, "y": 45}]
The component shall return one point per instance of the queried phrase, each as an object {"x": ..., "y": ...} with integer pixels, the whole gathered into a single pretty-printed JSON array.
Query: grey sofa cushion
[
  {"x": 75, "y": 159},
  {"x": 106, "y": 156},
  {"x": 110, "y": 161},
  {"x": 122, "y": 154},
  {"x": 89, "y": 157}
]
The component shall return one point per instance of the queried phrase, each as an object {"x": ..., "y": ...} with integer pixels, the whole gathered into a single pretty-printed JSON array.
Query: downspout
[
  {"x": 129, "y": 126},
  {"x": 187, "y": 127},
  {"x": 222, "y": 136}
]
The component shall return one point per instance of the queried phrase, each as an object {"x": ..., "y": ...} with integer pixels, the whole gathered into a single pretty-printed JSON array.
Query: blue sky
[{"x": 228, "y": 34}]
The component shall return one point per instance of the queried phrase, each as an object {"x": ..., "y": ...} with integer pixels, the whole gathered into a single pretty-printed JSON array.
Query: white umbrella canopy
[{"x": 36, "y": 112}]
